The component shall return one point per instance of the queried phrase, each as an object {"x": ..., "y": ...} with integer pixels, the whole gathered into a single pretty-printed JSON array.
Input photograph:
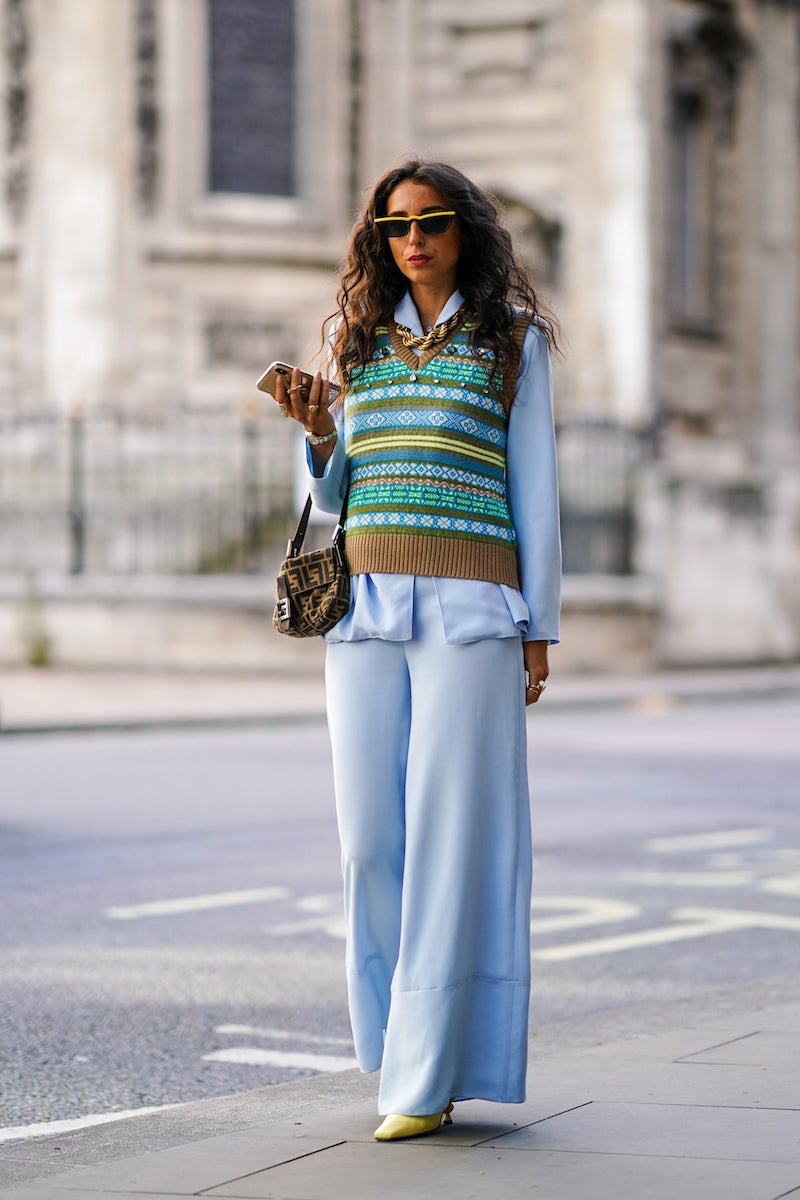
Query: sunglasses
[{"x": 435, "y": 222}]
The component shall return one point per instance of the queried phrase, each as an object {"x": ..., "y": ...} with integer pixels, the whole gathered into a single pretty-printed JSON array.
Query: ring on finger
[
  {"x": 313, "y": 408},
  {"x": 298, "y": 387},
  {"x": 284, "y": 409}
]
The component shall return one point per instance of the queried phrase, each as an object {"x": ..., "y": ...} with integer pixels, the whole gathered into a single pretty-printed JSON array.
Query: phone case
[{"x": 267, "y": 381}]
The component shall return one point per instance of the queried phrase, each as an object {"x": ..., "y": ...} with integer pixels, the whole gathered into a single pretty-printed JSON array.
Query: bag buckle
[{"x": 284, "y": 610}]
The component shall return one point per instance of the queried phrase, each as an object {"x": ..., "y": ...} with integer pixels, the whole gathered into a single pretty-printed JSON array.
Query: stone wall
[
  {"x": 722, "y": 524},
  {"x": 730, "y": 589},
  {"x": 225, "y": 624}
]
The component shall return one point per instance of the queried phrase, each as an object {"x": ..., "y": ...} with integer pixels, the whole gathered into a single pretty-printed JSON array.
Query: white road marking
[
  {"x": 333, "y": 926},
  {"x": 15, "y": 1133},
  {"x": 708, "y": 841},
  {"x": 696, "y": 923},
  {"x": 745, "y": 919},
  {"x": 321, "y": 902},
  {"x": 328, "y": 917},
  {"x": 694, "y": 879},
  {"x": 283, "y": 1035},
  {"x": 186, "y": 904},
  {"x": 726, "y": 860},
  {"x": 786, "y": 885},
  {"x": 255, "y": 1056},
  {"x": 587, "y": 911}
]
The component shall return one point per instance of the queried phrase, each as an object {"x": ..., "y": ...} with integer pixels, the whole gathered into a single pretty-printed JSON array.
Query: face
[{"x": 425, "y": 260}]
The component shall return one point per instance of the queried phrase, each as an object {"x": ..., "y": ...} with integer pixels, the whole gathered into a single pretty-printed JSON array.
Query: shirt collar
[{"x": 406, "y": 312}]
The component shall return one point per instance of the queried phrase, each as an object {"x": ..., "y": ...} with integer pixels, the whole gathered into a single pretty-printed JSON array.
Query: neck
[{"x": 429, "y": 301}]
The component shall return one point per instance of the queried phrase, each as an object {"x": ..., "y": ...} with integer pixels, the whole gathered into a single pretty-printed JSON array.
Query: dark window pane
[
  {"x": 252, "y": 75},
  {"x": 692, "y": 252}
]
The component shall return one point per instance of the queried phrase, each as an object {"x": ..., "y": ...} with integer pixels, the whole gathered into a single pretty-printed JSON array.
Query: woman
[{"x": 453, "y": 548}]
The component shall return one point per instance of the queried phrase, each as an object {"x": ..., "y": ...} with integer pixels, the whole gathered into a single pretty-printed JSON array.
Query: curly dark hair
[{"x": 489, "y": 277}]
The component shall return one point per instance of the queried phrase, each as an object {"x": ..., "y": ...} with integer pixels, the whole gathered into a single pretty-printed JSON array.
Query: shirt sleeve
[
  {"x": 532, "y": 482},
  {"x": 328, "y": 489}
]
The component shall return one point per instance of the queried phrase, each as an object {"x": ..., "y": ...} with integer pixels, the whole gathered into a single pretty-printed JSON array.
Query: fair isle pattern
[
  {"x": 427, "y": 464},
  {"x": 411, "y": 393},
  {"x": 433, "y": 471}
]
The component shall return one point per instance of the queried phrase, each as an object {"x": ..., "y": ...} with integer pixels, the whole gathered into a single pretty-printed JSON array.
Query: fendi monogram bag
[{"x": 312, "y": 592}]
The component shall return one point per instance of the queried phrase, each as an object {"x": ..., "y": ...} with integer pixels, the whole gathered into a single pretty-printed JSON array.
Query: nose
[{"x": 415, "y": 235}]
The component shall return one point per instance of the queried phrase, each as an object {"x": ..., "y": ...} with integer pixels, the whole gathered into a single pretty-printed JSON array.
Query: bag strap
[
  {"x": 511, "y": 372},
  {"x": 296, "y": 543}
]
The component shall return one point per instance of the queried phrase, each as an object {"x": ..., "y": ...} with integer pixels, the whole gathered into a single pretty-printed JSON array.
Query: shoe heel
[{"x": 446, "y": 1118}]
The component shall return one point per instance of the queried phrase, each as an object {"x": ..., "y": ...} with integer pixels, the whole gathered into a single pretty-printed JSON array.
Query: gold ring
[
  {"x": 298, "y": 387},
  {"x": 313, "y": 408},
  {"x": 285, "y": 409}
]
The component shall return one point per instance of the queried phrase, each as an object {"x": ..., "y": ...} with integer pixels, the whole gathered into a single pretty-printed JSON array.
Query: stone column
[
  {"x": 389, "y": 77},
  {"x": 608, "y": 271},
  {"x": 778, "y": 235},
  {"x": 75, "y": 260}
]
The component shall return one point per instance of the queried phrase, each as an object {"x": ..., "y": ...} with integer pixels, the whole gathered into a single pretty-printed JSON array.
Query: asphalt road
[{"x": 171, "y": 923}]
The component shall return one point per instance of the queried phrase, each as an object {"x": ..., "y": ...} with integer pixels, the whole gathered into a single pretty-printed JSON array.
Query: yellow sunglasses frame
[{"x": 442, "y": 212}]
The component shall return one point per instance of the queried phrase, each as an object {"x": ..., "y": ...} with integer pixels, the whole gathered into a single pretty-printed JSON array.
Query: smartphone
[{"x": 267, "y": 381}]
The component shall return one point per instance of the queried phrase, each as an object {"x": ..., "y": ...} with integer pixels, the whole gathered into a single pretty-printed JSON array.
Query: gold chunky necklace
[{"x": 433, "y": 337}]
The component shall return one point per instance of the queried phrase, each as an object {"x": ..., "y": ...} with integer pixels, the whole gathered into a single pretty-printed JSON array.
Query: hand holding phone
[
  {"x": 307, "y": 399},
  {"x": 268, "y": 381}
]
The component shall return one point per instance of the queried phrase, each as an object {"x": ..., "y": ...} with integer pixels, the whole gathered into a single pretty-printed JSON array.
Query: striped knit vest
[{"x": 426, "y": 439}]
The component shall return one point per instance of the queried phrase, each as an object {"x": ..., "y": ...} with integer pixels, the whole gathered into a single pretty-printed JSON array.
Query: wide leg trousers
[{"x": 432, "y": 803}]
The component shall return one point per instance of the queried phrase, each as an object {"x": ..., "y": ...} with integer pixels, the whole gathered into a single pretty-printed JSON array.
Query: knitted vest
[{"x": 426, "y": 439}]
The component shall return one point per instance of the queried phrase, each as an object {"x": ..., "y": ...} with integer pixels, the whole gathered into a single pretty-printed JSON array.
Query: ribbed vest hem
[{"x": 416, "y": 554}]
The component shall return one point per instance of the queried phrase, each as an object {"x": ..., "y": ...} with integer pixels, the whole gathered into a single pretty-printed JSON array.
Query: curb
[
  {"x": 159, "y": 724},
  {"x": 653, "y": 700}
]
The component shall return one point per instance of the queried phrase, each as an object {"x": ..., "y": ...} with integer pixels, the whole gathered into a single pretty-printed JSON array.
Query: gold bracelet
[{"x": 319, "y": 439}]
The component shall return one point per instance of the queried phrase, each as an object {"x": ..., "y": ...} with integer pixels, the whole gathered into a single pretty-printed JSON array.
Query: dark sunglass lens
[
  {"x": 435, "y": 223},
  {"x": 397, "y": 228}
]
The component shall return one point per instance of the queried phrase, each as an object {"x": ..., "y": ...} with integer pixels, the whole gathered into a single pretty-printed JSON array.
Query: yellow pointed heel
[{"x": 397, "y": 1125}]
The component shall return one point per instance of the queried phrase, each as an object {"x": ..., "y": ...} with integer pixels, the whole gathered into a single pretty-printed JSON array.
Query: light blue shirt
[{"x": 382, "y": 605}]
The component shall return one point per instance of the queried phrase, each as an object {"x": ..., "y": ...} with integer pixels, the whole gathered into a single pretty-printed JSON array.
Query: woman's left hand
[{"x": 536, "y": 669}]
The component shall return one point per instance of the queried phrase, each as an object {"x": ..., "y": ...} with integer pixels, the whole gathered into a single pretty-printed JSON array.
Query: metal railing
[
  {"x": 210, "y": 491},
  {"x": 176, "y": 492},
  {"x": 599, "y": 461}
]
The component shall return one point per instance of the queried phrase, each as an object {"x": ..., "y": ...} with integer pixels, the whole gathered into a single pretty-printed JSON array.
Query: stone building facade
[{"x": 180, "y": 175}]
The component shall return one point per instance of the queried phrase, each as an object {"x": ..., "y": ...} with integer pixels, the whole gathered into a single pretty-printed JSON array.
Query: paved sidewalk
[
  {"x": 708, "y": 1109},
  {"x": 53, "y": 700}
]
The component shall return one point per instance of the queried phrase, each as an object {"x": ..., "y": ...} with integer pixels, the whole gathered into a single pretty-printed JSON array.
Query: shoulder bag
[{"x": 312, "y": 592}]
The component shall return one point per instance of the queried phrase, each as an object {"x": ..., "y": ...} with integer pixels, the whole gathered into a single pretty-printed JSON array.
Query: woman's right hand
[{"x": 310, "y": 408}]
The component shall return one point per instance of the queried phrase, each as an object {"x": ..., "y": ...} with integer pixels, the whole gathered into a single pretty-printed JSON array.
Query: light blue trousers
[{"x": 430, "y": 773}]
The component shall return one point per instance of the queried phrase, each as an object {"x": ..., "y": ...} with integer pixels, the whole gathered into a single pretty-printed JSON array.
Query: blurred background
[{"x": 178, "y": 182}]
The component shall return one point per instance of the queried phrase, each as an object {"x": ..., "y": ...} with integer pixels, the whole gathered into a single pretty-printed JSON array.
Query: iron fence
[
  {"x": 169, "y": 493},
  {"x": 599, "y": 462},
  {"x": 210, "y": 491}
]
